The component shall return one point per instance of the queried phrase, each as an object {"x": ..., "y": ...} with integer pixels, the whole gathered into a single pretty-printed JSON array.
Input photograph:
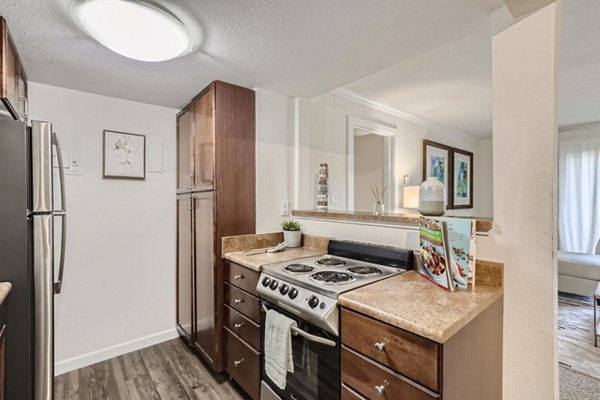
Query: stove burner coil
[
  {"x": 299, "y": 268},
  {"x": 365, "y": 270},
  {"x": 332, "y": 277},
  {"x": 330, "y": 261}
]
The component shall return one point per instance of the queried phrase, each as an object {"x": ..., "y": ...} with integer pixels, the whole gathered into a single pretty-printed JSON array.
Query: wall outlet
[
  {"x": 335, "y": 197},
  {"x": 285, "y": 208}
]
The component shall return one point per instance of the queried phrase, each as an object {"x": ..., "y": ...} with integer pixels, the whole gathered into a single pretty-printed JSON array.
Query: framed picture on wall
[
  {"x": 462, "y": 178},
  {"x": 124, "y": 155},
  {"x": 437, "y": 162}
]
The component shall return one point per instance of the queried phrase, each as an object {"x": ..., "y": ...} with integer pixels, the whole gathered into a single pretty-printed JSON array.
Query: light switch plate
[{"x": 285, "y": 208}]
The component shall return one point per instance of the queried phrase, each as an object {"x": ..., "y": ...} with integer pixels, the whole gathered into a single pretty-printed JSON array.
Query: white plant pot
[{"x": 293, "y": 238}]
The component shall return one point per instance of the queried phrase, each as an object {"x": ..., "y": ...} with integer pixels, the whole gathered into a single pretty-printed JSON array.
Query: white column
[{"x": 525, "y": 81}]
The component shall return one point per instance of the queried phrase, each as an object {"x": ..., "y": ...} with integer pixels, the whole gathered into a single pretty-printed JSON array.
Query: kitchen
[{"x": 121, "y": 258}]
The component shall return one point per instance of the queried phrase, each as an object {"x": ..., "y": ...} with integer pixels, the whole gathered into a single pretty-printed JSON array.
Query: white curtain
[{"x": 579, "y": 189}]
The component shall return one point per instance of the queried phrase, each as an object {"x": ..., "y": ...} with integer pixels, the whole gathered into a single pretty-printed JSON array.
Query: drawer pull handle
[
  {"x": 238, "y": 301},
  {"x": 238, "y": 326},
  {"x": 379, "y": 390},
  {"x": 379, "y": 346},
  {"x": 238, "y": 277},
  {"x": 237, "y": 363}
]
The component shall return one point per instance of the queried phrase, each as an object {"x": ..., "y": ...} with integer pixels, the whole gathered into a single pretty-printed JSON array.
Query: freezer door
[
  {"x": 43, "y": 372},
  {"x": 41, "y": 167}
]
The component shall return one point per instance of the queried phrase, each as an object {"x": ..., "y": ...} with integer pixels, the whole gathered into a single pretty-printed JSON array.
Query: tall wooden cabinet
[
  {"x": 215, "y": 198},
  {"x": 13, "y": 81}
]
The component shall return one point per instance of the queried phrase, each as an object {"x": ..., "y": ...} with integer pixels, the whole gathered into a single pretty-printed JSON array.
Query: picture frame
[
  {"x": 123, "y": 155},
  {"x": 437, "y": 161},
  {"x": 462, "y": 179}
]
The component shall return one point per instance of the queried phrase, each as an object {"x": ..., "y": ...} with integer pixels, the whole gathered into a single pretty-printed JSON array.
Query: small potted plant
[{"x": 291, "y": 233}]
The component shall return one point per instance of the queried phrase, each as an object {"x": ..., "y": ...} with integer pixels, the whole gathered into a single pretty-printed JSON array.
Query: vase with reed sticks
[{"x": 378, "y": 205}]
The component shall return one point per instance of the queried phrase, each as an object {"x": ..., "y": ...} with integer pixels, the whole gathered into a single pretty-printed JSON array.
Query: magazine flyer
[
  {"x": 461, "y": 246},
  {"x": 433, "y": 263}
]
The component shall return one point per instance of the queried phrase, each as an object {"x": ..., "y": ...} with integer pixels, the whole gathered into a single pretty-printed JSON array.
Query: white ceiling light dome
[{"x": 138, "y": 29}]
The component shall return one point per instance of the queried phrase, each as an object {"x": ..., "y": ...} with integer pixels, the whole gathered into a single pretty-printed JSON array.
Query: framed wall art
[
  {"x": 462, "y": 178},
  {"x": 437, "y": 162},
  {"x": 124, "y": 155}
]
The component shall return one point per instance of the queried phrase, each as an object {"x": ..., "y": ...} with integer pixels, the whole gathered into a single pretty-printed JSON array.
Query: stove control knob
[
  {"x": 313, "y": 301},
  {"x": 284, "y": 289},
  {"x": 274, "y": 284},
  {"x": 293, "y": 293},
  {"x": 323, "y": 305},
  {"x": 266, "y": 281}
]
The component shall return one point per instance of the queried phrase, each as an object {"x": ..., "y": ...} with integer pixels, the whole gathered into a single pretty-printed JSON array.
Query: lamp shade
[{"x": 411, "y": 197}]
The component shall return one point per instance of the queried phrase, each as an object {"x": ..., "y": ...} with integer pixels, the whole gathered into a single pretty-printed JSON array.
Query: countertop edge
[
  {"x": 372, "y": 311},
  {"x": 5, "y": 288}
]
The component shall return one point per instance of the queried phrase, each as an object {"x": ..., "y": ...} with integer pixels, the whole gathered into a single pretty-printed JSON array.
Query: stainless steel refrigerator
[{"x": 32, "y": 253}]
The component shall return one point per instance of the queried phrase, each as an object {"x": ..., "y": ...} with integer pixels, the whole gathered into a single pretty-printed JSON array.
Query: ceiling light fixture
[{"x": 137, "y": 29}]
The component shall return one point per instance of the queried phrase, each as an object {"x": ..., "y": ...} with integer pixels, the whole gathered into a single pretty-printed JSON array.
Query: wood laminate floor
[{"x": 166, "y": 371}]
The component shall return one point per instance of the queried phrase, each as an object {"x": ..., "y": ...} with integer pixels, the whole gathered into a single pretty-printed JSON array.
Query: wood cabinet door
[
  {"x": 204, "y": 141},
  {"x": 184, "y": 267},
  {"x": 204, "y": 260},
  {"x": 22, "y": 103},
  {"x": 185, "y": 149},
  {"x": 10, "y": 67}
]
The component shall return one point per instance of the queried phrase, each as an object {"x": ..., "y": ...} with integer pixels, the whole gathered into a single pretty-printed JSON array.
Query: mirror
[
  {"x": 370, "y": 164},
  {"x": 372, "y": 132}
]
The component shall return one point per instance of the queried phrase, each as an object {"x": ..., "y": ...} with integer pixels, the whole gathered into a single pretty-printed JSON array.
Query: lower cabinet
[
  {"x": 242, "y": 363},
  {"x": 380, "y": 361},
  {"x": 241, "y": 327}
]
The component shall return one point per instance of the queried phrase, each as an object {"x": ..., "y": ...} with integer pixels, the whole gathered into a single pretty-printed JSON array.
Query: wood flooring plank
[
  {"x": 165, "y": 381},
  {"x": 166, "y": 371}
]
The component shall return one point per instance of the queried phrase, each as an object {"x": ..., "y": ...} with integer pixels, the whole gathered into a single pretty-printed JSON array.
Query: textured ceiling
[
  {"x": 451, "y": 84},
  {"x": 579, "y": 89},
  {"x": 293, "y": 47}
]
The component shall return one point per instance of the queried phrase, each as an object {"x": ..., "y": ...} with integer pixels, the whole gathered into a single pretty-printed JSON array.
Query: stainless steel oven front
[{"x": 316, "y": 355}]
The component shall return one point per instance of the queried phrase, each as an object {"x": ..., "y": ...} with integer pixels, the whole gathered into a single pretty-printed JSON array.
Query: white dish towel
[{"x": 278, "y": 347}]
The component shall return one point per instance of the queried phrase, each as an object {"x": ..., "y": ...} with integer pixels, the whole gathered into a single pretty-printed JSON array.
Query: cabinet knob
[
  {"x": 379, "y": 346},
  {"x": 238, "y": 277},
  {"x": 379, "y": 390},
  {"x": 238, "y": 301},
  {"x": 238, "y": 362},
  {"x": 238, "y": 326}
]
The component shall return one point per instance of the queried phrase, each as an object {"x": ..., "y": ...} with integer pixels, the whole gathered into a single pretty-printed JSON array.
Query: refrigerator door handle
[{"x": 62, "y": 214}]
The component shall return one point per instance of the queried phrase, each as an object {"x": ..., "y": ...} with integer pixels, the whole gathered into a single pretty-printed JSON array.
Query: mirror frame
[{"x": 377, "y": 128}]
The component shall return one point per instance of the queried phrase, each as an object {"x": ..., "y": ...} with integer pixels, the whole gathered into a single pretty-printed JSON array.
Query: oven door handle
[
  {"x": 312, "y": 338},
  {"x": 308, "y": 336}
]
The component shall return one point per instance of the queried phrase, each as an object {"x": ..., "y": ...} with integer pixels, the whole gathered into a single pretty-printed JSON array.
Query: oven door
[{"x": 316, "y": 373}]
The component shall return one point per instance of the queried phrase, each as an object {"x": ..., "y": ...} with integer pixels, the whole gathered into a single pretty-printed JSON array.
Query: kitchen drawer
[
  {"x": 243, "y": 302},
  {"x": 242, "y": 326},
  {"x": 367, "y": 377},
  {"x": 242, "y": 363},
  {"x": 349, "y": 394},
  {"x": 412, "y": 356},
  {"x": 242, "y": 277}
]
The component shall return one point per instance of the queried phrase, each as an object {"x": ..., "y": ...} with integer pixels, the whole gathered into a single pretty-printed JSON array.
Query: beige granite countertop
[
  {"x": 483, "y": 225},
  {"x": 240, "y": 249},
  {"x": 411, "y": 302},
  {"x": 5, "y": 288},
  {"x": 257, "y": 261}
]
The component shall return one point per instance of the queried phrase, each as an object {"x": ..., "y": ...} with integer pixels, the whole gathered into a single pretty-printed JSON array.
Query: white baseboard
[{"x": 104, "y": 354}]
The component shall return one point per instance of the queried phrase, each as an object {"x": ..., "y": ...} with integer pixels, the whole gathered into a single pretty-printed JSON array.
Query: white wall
[
  {"x": 483, "y": 189},
  {"x": 525, "y": 81},
  {"x": 274, "y": 157},
  {"x": 119, "y": 283}
]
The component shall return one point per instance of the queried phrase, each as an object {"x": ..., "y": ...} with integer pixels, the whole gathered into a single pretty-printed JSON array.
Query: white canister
[
  {"x": 293, "y": 238},
  {"x": 432, "y": 197}
]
